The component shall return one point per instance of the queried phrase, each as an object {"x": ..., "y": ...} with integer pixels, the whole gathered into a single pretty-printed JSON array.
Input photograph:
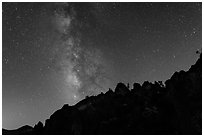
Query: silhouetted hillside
[
  {"x": 150, "y": 108},
  {"x": 24, "y": 130}
]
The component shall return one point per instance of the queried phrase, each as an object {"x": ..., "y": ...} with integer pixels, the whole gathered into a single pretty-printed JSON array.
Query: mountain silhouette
[{"x": 174, "y": 107}]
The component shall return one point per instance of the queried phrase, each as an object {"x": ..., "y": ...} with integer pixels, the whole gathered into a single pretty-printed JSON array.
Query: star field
[{"x": 57, "y": 53}]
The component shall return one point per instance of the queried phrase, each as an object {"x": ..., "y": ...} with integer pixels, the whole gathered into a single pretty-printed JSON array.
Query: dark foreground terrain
[{"x": 150, "y": 108}]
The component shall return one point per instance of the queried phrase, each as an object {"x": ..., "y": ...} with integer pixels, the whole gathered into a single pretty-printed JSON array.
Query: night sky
[{"x": 57, "y": 53}]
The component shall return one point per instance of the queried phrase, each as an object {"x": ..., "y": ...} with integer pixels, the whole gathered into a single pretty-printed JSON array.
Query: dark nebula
[{"x": 57, "y": 53}]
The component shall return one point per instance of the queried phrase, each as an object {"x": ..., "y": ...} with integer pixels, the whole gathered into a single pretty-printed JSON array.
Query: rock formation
[{"x": 147, "y": 109}]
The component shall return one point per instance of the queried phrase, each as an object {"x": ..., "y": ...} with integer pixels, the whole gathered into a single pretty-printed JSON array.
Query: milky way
[{"x": 82, "y": 68}]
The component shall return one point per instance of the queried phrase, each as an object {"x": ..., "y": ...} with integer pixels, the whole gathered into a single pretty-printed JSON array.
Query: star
[{"x": 6, "y": 60}]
